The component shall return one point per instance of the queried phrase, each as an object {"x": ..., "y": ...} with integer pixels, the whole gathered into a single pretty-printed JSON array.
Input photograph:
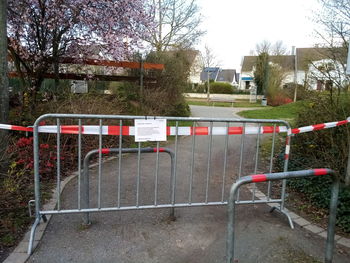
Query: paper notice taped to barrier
[{"x": 150, "y": 130}]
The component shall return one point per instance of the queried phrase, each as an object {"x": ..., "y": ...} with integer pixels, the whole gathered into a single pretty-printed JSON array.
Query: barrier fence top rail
[{"x": 129, "y": 130}]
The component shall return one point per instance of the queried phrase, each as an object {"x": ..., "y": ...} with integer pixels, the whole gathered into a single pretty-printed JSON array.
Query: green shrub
[
  {"x": 323, "y": 149},
  {"x": 221, "y": 88},
  {"x": 164, "y": 97},
  {"x": 302, "y": 92},
  {"x": 195, "y": 88}
]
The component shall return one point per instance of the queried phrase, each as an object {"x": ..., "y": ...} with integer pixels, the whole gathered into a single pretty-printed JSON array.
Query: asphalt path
[{"x": 198, "y": 234}]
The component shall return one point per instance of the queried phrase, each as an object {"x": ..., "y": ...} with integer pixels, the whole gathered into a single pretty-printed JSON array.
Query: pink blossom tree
[{"x": 42, "y": 31}]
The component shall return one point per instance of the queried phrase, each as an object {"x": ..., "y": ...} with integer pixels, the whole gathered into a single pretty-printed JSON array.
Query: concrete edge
[
  {"x": 297, "y": 219},
  {"x": 19, "y": 254}
]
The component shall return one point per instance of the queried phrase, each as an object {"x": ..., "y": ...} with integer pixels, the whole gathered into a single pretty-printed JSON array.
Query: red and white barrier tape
[{"x": 130, "y": 130}]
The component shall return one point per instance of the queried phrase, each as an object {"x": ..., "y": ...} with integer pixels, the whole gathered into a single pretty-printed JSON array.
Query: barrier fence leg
[
  {"x": 86, "y": 216},
  {"x": 32, "y": 235},
  {"x": 331, "y": 222}
]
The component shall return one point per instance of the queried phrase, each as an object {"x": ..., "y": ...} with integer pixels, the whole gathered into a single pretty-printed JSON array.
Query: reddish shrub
[
  {"x": 22, "y": 156},
  {"x": 278, "y": 99}
]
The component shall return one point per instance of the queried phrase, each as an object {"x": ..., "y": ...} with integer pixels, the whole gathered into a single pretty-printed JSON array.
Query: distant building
[
  {"x": 312, "y": 67},
  {"x": 220, "y": 75},
  {"x": 196, "y": 62},
  {"x": 248, "y": 67}
]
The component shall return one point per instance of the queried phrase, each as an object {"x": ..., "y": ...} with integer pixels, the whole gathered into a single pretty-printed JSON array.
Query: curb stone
[{"x": 303, "y": 222}]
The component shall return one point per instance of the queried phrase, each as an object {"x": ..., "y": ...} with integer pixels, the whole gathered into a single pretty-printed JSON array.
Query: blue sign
[{"x": 248, "y": 78}]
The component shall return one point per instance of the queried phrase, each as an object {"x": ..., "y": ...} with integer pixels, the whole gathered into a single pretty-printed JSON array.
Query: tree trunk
[{"x": 4, "y": 90}]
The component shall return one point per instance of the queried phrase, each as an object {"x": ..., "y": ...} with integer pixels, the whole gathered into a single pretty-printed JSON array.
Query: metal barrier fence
[
  {"x": 282, "y": 176},
  {"x": 119, "y": 151},
  {"x": 211, "y": 155}
]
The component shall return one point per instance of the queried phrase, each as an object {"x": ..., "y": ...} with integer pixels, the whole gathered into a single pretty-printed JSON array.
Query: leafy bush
[
  {"x": 195, "y": 88},
  {"x": 170, "y": 84},
  {"x": 221, "y": 88},
  {"x": 323, "y": 149},
  {"x": 125, "y": 91},
  {"x": 16, "y": 186},
  {"x": 302, "y": 92}
]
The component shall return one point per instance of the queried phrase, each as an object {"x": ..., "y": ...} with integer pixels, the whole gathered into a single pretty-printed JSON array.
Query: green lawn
[
  {"x": 237, "y": 104},
  {"x": 286, "y": 112}
]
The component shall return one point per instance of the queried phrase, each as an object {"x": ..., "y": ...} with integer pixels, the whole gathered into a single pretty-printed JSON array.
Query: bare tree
[
  {"x": 276, "y": 49},
  {"x": 263, "y": 47},
  {"x": 177, "y": 24},
  {"x": 334, "y": 19},
  {"x": 210, "y": 60}
]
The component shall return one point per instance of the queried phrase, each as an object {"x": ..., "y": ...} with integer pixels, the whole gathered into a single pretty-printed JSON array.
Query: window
[{"x": 329, "y": 85}]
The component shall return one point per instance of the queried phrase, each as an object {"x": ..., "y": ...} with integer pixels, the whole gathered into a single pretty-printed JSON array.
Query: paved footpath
[{"x": 197, "y": 234}]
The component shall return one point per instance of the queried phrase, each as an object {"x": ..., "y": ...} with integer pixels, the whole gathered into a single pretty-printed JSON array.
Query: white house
[
  {"x": 248, "y": 67},
  {"x": 196, "y": 60},
  {"x": 308, "y": 66}
]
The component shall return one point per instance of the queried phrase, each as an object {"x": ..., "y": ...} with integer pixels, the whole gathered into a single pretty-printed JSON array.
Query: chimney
[{"x": 293, "y": 50}]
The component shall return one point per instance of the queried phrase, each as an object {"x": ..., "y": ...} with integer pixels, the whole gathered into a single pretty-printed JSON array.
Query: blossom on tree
[{"x": 42, "y": 31}]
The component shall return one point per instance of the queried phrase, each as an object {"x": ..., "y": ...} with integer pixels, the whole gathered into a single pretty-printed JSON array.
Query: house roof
[
  {"x": 217, "y": 74},
  {"x": 227, "y": 75},
  {"x": 213, "y": 73},
  {"x": 306, "y": 55},
  {"x": 286, "y": 62}
]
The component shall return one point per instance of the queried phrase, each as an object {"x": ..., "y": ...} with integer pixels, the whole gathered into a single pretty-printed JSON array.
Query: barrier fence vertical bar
[
  {"x": 256, "y": 159},
  {"x": 174, "y": 173},
  {"x": 156, "y": 176},
  {"x": 36, "y": 186},
  {"x": 120, "y": 159},
  {"x": 209, "y": 160},
  {"x": 99, "y": 164},
  {"x": 332, "y": 221},
  {"x": 285, "y": 169},
  {"x": 271, "y": 161},
  {"x": 192, "y": 161},
  {"x": 86, "y": 192},
  {"x": 347, "y": 173},
  {"x": 79, "y": 164},
  {"x": 58, "y": 164},
  {"x": 241, "y": 155},
  {"x": 138, "y": 173},
  {"x": 225, "y": 162}
]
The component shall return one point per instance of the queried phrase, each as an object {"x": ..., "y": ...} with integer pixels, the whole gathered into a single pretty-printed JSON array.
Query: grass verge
[
  {"x": 237, "y": 104},
  {"x": 284, "y": 112}
]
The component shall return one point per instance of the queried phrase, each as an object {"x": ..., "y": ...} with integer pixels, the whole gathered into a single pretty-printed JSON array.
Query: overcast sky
[{"x": 235, "y": 26}]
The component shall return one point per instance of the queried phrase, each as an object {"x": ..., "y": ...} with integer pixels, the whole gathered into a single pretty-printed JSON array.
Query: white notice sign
[{"x": 150, "y": 130}]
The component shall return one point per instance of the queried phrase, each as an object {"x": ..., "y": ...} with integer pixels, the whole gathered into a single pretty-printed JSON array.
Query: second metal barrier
[{"x": 281, "y": 176}]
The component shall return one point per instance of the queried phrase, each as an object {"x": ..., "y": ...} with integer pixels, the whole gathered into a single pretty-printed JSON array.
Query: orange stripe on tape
[
  {"x": 235, "y": 130},
  {"x": 71, "y": 129},
  {"x": 259, "y": 178},
  {"x": 320, "y": 172}
]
